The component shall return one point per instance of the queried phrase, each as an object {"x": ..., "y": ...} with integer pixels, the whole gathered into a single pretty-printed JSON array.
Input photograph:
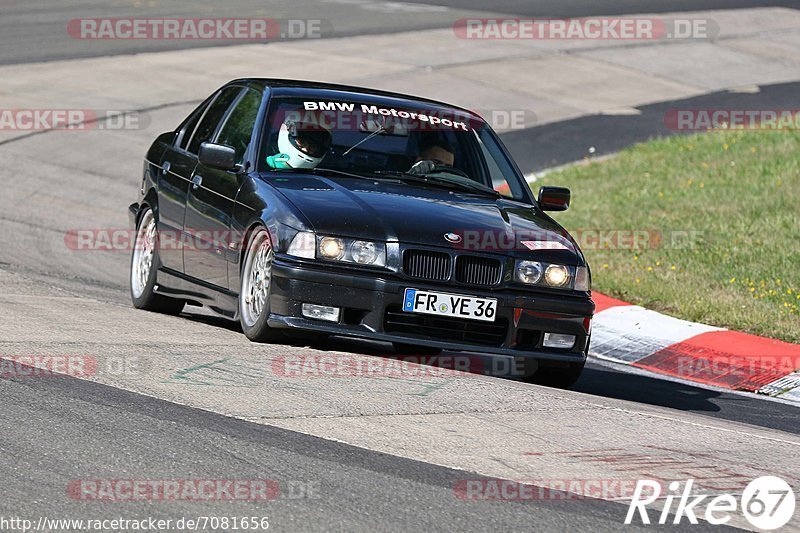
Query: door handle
[
  {"x": 165, "y": 168},
  {"x": 197, "y": 180}
]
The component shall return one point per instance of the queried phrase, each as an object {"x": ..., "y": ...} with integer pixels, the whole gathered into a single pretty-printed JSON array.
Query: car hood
[{"x": 387, "y": 210}]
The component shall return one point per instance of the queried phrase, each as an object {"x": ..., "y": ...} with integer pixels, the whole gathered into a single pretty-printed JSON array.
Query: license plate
[{"x": 443, "y": 304}]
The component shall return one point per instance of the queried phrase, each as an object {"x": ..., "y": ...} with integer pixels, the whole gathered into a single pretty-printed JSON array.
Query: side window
[
  {"x": 189, "y": 125},
  {"x": 498, "y": 168},
  {"x": 208, "y": 125},
  {"x": 238, "y": 127}
]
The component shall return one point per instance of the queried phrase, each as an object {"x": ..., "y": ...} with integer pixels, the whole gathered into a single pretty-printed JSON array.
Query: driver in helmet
[{"x": 300, "y": 145}]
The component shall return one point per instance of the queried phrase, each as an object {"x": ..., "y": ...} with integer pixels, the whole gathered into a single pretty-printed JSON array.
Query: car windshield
[{"x": 426, "y": 146}]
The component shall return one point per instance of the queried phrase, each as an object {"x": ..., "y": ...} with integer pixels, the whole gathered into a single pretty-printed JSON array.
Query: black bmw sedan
[{"x": 302, "y": 206}]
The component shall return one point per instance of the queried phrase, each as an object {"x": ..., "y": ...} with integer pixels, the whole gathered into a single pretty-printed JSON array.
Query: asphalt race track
[
  {"x": 33, "y": 31},
  {"x": 329, "y": 485},
  {"x": 189, "y": 397}
]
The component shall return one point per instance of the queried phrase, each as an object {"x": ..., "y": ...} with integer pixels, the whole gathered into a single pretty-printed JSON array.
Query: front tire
[
  {"x": 256, "y": 287},
  {"x": 144, "y": 267}
]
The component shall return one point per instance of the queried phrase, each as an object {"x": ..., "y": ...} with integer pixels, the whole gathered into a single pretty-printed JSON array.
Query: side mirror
[
  {"x": 218, "y": 156},
  {"x": 554, "y": 198}
]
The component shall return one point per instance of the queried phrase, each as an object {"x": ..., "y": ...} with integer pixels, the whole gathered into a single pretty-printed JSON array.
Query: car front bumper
[{"x": 372, "y": 308}]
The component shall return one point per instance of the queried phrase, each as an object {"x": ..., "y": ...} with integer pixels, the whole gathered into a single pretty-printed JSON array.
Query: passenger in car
[{"x": 433, "y": 152}]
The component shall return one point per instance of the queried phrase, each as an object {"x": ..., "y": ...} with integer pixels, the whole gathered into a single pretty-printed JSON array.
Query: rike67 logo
[{"x": 767, "y": 503}]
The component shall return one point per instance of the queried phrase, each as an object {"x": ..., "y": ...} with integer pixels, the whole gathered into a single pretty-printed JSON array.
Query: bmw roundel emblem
[{"x": 453, "y": 237}]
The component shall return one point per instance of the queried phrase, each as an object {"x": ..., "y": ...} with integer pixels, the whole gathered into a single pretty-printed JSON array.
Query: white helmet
[{"x": 304, "y": 143}]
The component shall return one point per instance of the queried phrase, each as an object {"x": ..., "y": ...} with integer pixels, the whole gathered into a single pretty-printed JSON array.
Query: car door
[
  {"x": 212, "y": 195},
  {"x": 175, "y": 170}
]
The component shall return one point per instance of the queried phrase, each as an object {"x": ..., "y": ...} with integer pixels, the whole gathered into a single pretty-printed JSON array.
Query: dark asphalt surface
[
  {"x": 614, "y": 381},
  {"x": 563, "y": 142},
  {"x": 36, "y": 30},
  {"x": 611, "y": 383},
  {"x": 57, "y": 430},
  {"x": 582, "y": 8},
  {"x": 60, "y": 430}
]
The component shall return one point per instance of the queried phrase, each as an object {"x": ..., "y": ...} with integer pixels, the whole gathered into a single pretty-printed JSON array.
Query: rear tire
[
  {"x": 403, "y": 348},
  {"x": 256, "y": 288},
  {"x": 144, "y": 268}
]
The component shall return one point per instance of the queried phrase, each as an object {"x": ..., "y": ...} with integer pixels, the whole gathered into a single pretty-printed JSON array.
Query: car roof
[{"x": 305, "y": 88}]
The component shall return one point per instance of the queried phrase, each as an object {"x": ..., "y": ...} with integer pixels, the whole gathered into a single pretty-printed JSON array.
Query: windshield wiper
[
  {"x": 424, "y": 179},
  {"x": 431, "y": 179},
  {"x": 325, "y": 171},
  {"x": 379, "y": 131}
]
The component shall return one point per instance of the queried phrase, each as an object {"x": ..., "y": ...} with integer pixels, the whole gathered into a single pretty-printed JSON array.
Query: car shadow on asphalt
[
  {"x": 745, "y": 408},
  {"x": 596, "y": 380},
  {"x": 601, "y": 381}
]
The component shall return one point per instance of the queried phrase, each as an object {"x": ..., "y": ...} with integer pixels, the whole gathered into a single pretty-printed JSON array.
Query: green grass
[{"x": 737, "y": 192}]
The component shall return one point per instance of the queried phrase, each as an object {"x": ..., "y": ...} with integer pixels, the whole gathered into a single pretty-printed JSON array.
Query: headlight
[
  {"x": 556, "y": 275},
  {"x": 331, "y": 248},
  {"x": 529, "y": 272},
  {"x": 552, "y": 275},
  {"x": 364, "y": 252},
  {"x": 308, "y": 245}
]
